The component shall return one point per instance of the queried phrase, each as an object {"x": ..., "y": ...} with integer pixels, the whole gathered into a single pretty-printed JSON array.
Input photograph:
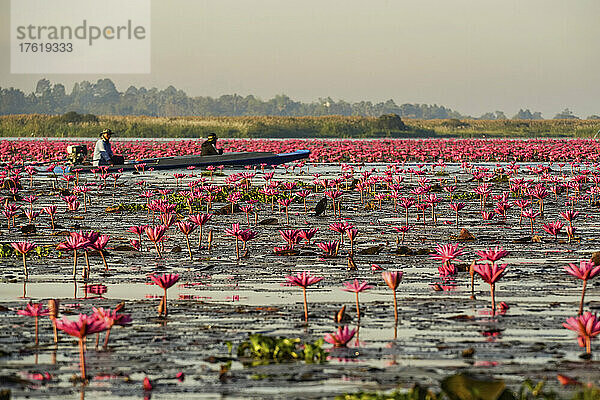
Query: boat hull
[{"x": 177, "y": 162}]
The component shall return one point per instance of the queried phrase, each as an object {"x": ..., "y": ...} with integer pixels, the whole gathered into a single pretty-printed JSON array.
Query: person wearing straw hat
[{"x": 103, "y": 154}]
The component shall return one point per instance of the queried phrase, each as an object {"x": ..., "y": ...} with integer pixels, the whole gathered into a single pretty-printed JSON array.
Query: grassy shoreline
[{"x": 36, "y": 125}]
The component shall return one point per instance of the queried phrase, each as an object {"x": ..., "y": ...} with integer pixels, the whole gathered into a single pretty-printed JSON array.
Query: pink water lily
[
  {"x": 570, "y": 216},
  {"x": 85, "y": 325},
  {"x": 392, "y": 279},
  {"x": 553, "y": 228},
  {"x": 23, "y": 248},
  {"x": 34, "y": 310},
  {"x": 164, "y": 281},
  {"x": 402, "y": 229},
  {"x": 356, "y": 287},
  {"x": 155, "y": 235},
  {"x": 200, "y": 220},
  {"x": 446, "y": 254},
  {"x": 352, "y": 233},
  {"x": 532, "y": 215},
  {"x": 100, "y": 245},
  {"x": 110, "y": 319},
  {"x": 187, "y": 228},
  {"x": 285, "y": 203},
  {"x": 492, "y": 254},
  {"x": 341, "y": 228},
  {"x": 236, "y": 232},
  {"x": 491, "y": 273},
  {"x": 341, "y": 338},
  {"x": 245, "y": 236},
  {"x": 31, "y": 215},
  {"x": 308, "y": 234},
  {"x": 291, "y": 236},
  {"x": 330, "y": 249},
  {"x": 303, "y": 279},
  {"x": 91, "y": 237},
  {"x": 586, "y": 326},
  {"x": 585, "y": 270},
  {"x": 51, "y": 211},
  {"x": 457, "y": 207},
  {"x": 138, "y": 230},
  {"x": 75, "y": 241}
]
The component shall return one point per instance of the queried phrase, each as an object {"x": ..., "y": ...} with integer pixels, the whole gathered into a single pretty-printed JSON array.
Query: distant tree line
[
  {"x": 527, "y": 114},
  {"x": 103, "y": 98}
]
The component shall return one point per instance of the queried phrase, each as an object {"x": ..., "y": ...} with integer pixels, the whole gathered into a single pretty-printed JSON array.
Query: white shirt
[{"x": 102, "y": 153}]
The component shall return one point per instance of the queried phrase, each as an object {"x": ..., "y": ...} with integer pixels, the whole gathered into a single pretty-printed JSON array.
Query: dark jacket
[{"x": 209, "y": 149}]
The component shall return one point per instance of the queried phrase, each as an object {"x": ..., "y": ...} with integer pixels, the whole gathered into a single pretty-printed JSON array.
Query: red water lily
[
  {"x": 585, "y": 270},
  {"x": 85, "y": 325},
  {"x": 164, "y": 281},
  {"x": 392, "y": 279},
  {"x": 303, "y": 279},
  {"x": 587, "y": 327},
  {"x": 491, "y": 273},
  {"x": 356, "y": 287},
  {"x": 340, "y": 338},
  {"x": 34, "y": 310},
  {"x": 23, "y": 248}
]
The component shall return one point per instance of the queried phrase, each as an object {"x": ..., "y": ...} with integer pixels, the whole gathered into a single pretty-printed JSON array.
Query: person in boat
[
  {"x": 209, "y": 147},
  {"x": 103, "y": 154}
]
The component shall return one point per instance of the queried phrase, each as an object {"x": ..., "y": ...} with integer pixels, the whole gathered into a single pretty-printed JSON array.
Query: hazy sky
[{"x": 471, "y": 55}]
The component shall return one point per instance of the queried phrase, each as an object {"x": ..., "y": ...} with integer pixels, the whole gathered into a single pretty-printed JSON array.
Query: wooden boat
[{"x": 177, "y": 162}]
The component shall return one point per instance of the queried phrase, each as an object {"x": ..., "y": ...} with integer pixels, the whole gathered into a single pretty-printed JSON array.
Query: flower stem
[
  {"x": 395, "y": 308},
  {"x": 582, "y": 296},
  {"x": 104, "y": 260},
  {"x": 157, "y": 250},
  {"x": 305, "y": 306},
  {"x": 165, "y": 303},
  {"x": 187, "y": 239},
  {"x": 74, "y": 264},
  {"x": 106, "y": 338},
  {"x": 55, "y": 330},
  {"x": 492, "y": 290},
  {"x": 86, "y": 270},
  {"x": 531, "y": 219},
  {"x": 82, "y": 359},
  {"x": 588, "y": 345},
  {"x": 357, "y": 308},
  {"x": 36, "y": 330}
]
